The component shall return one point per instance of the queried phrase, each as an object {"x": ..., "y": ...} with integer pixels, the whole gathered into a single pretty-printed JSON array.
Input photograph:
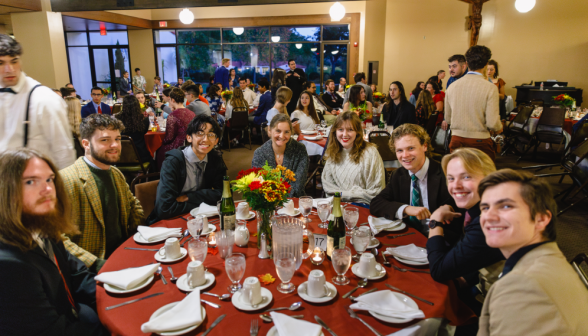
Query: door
[{"x": 108, "y": 66}]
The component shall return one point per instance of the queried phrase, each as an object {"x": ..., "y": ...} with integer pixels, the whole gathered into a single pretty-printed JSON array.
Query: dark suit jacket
[
  {"x": 405, "y": 113},
  {"x": 124, "y": 86},
  {"x": 33, "y": 299},
  {"x": 265, "y": 104},
  {"x": 89, "y": 109},
  {"x": 328, "y": 99},
  {"x": 295, "y": 84},
  {"x": 221, "y": 75}
]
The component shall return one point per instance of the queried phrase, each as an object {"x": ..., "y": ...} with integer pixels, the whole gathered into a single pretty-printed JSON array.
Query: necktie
[
  {"x": 467, "y": 220},
  {"x": 99, "y": 110},
  {"x": 415, "y": 200},
  {"x": 200, "y": 172},
  {"x": 7, "y": 90}
]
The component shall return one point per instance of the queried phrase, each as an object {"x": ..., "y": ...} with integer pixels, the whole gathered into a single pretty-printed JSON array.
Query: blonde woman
[
  {"x": 74, "y": 115},
  {"x": 283, "y": 97},
  {"x": 424, "y": 107},
  {"x": 237, "y": 101}
]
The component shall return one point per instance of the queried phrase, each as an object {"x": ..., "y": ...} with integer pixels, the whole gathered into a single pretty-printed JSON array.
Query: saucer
[
  {"x": 182, "y": 282},
  {"x": 266, "y": 296},
  {"x": 251, "y": 216},
  {"x": 211, "y": 228},
  {"x": 398, "y": 227},
  {"x": 274, "y": 332},
  {"x": 308, "y": 132},
  {"x": 283, "y": 212},
  {"x": 194, "y": 213},
  {"x": 140, "y": 240},
  {"x": 162, "y": 259},
  {"x": 355, "y": 270},
  {"x": 374, "y": 242},
  {"x": 409, "y": 302},
  {"x": 167, "y": 307},
  {"x": 303, "y": 294},
  {"x": 117, "y": 290},
  {"x": 410, "y": 262}
]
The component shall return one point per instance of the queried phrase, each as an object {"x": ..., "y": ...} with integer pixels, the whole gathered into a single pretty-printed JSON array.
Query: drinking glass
[
  {"x": 350, "y": 216},
  {"x": 341, "y": 259},
  {"x": 361, "y": 240},
  {"x": 305, "y": 206},
  {"x": 195, "y": 225},
  {"x": 198, "y": 249},
  {"x": 287, "y": 236},
  {"x": 324, "y": 211},
  {"x": 285, "y": 267},
  {"x": 235, "y": 267},
  {"x": 151, "y": 119},
  {"x": 225, "y": 241}
]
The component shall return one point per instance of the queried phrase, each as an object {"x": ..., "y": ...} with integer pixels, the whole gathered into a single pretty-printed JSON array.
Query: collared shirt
[
  {"x": 96, "y": 106},
  {"x": 249, "y": 96},
  {"x": 453, "y": 79},
  {"x": 139, "y": 82},
  {"x": 193, "y": 174},
  {"x": 422, "y": 175},
  {"x": 92, "y": 164},
  {"x": 512, "y": 261}
]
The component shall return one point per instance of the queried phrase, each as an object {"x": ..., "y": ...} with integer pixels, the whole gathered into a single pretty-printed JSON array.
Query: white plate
[
  {"x": 140, "y": 240},
  {"x": 274, "y": 332},
  {"x": 374, "y": 242},
  {"x": 211, "y": 228},
  {"x": 396, "y": 228},
  {"x": 283, "y": 212},
  {"x": 240, "y": 304},
  {"x": 410, "y": 302},
  {"x": 167, "y": 307},
  {"x": 163, "y": 259},
  {"x": 182, "y": 282},
  {"x": 194, "y": 213},
  {"x": 410, "y": 262},
  {"x": 117, "y": 290},
  {"x": 331, "y": 295},
  {"x": 251, "y": 216},
  {"x": 315, "y": 138},
  {"x": 308, "y": 132},
  {"x": 355, "y": 270}
]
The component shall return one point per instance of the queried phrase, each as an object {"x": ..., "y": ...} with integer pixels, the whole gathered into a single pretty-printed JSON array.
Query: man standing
[
  {"x": 45, "y": 290},
  {"x": 96, "y": 105},
  {"x": 457, "y": 68},
  {"x": 104, "y": 208},
  {"x": 265, "y": 102},
  {"x": 30, "y": 114},
  {"x": 295, "y": 77},
  {"x": 157, "y": 86},
  {"x": 139, "y": 82},
  {"x": 125, "y": 85},
  {"x": 360, "y": 79},
  {"x": 196, "y": 105},
  {"x": 248, "y": 94},
  {"x": 398, "y": 110},
  {"x": 440, "y": 76},
  {"x": 221, "y": 75},
  {"x": 471, "y": 106}
]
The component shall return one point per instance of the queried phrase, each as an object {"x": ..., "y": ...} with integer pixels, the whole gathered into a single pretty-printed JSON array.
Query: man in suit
[
  {"x": 104, "y": 208},
  {"x": 295, "y": 77},
  {"x": 330, "y": 97},
  {"x": 265, "y": 102},
  {"x": 538, "y": 293},
  {"x": 221, "y": 75},
  {"x": 96, "y": 105},
  {"x": 45, "y": 290},
  {"x": 124, "y": 85},
  {"x": 341, "y": 86}
]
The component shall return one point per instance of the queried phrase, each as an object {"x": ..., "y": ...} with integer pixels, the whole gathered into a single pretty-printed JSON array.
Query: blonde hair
[
  {"x": 414, "y": 130},
  {"x": 238, "y": 100},
  {"x": 474, "y": 161},
  {"x": 283, "y": 95},
  {"x": 334, "y": 148},
  {"x": 74, "y": 113},
  {"x": 225, "y": 60}
]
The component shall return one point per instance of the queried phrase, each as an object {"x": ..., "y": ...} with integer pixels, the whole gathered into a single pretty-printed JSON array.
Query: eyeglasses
[
  {"x": 97, "y": 94},
  {"x": 201, "y": 135}
]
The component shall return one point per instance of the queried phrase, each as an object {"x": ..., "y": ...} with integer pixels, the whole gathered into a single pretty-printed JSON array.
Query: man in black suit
[
  {"x": 45, "y": 290},
  {"x": 417, "y": 188},
  {"x": 295, "y": 78}
]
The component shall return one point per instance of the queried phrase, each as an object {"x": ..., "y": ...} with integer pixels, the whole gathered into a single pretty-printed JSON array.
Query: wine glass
[
  {"x": 198, "y": 249},
  {"x": 305, "y": 206},
  {"x": 195, "y": 224},
  {"x": 235, "y": 267},
  {"x": 350, "y": 216},
  {"x": 361, "y": 240},
  {"x": 285, "y": 267},
  {"x": 341, "y": 259},
  {"x": 323, "y": 209}
]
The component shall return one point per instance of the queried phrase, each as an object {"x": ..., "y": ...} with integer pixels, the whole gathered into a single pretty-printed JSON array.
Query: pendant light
[{"x": 186, "y": 16}]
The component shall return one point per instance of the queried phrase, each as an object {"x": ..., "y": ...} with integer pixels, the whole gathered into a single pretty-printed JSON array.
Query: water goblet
[
  {"x": 305, "y": 206},
  {"x": 198, "y": 249},
  {"x": 350, "y": 216},
  {"x": 285, "y": 267},
  {"x": 323, "y": 209},
  {"x": 235, "y": 267},
  {"x": 361, "y": 239},
  {"x": 341, "y": 259},
  {"x": 195, "y": 225}
]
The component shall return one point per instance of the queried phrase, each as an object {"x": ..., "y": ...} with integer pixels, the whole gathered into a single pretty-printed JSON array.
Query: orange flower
[{"x": 266, "y": 279}]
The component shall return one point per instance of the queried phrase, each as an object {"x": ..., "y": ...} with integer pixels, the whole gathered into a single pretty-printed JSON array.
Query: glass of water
[
  {"x": 305, "y": 206},
  {"x": 285, "y": 267},
  {"x": 341, "y": 259},
  {"x": 324, "y": 211},
  {"x": 235, "y": 267},
  {"x": 195, "y": 225},
  {"x": 361, "y": 239},
  {"x": 350, "y": 216},
  {"x": 198, "y": 249}
]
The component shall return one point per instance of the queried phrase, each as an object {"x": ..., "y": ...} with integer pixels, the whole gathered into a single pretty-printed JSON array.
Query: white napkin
[
  {"x": 207, "y": 210},
  {"x": 316, "y": 200},
  {"x": 386, "y": 303},
  {"x": 308, "y": 132},
  {"x": 413, "y": 330},
  {"x": 377, "y": 224},
  {"x": 152, "y": 234},
  {"x": 288, "y": 326},
  {"x": 185, "y": 314},
  {"x": 409, "y": 252},
  {"x": 127, "y": 278}
]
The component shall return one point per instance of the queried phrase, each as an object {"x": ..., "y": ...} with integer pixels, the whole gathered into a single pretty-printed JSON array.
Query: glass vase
[{"x": 264, "y": 225}]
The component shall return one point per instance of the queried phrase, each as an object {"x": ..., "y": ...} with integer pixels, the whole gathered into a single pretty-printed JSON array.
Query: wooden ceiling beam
[
  {"x": 130, "y": 21},
  {"x": 33, "y": 5}
]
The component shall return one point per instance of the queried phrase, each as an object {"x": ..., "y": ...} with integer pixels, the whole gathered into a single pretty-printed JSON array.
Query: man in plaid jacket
[{"x": 102, "y": 205}]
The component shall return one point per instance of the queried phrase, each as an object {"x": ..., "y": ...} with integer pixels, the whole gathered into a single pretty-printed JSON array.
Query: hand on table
[
  {"x": 182, "y": 198},
  {"x": 419, "y": 212},
  {"x": 445, "y": 214}
]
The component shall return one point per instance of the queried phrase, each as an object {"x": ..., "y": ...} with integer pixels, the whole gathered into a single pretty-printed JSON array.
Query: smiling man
[{"x": 538, "y": 293}]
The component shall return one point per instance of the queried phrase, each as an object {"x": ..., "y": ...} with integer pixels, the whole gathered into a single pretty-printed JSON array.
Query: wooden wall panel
[
  {"x": 34, "y": 5},
  {"x": 112, "y": 17}
]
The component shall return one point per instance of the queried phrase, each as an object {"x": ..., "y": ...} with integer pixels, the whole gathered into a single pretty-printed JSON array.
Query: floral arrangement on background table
[
  {"x": 251, "y": 86},
  {"x": 227, "y": 95},
  {"x": 265, "y": 189},
  {"x": 564, "y": 100},
  {"x": 106, "y": 91},
  {"x": 166, "y": 85},
  {"x": 379, "y": 97}
]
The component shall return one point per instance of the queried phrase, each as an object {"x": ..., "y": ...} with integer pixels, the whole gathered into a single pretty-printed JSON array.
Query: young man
[
  {"x": 295, "y": 77},
  {"x": 48, "y": 129},
  {"x": 360, "y": 79},
  {"x": 70, "y": 86},
  {"x": 191, "y": 175},
  {"x": 265, "y": 102},
  {"x": 38, "y": 272},
  {"x": 180, "y": 83},
  {"x": 221, "y": 75},
  {"x": 139, "y": 82},
  {"x": 124, "y": 85},
  {"x": 399, "y": 111},
  {"x": 458, "y": 67},
  {"x": 330, "y": 97},
  {"x": 103, "y": 207},
  {"x": 538, "y": 293},
  {"x": 440, "y": 76},
  {"x": 166, "y": 102},
  {"x": 248, "y": 95},
  {"x": 157, "y": 86},
  {"x": 197, "y": 106},
  {"x": 96, "y": 105}
]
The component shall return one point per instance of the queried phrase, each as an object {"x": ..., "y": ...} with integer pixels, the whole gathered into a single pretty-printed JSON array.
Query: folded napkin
[
  {"x": 386, "y": 303},
  {"x": 288, "y": 326},
  {"x": 152, "y": 234},
  {"x": 207, "y": 210},
  {"x": 316, "y": 200},
  {"x": 409, "y": 252},
  {"x": 413, "y": 330},
  {"x": 127, "y": 278},
  {"x": 377, "y": 224},
  {"x": 185, "y": 314},
  {"x": 316, "y": 138}
]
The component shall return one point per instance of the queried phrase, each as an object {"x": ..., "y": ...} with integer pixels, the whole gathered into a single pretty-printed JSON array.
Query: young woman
[
  {"x": 200, "y": 92},
  {"x": 374, "y": 88},
  {"x": 237, "y": 101},
  {"x": 285, "y": 151},
  {"x": 136, "y": 125},
  {"x": 233, "y": 80},
  {"x": 283, "y": 96},
  {"x": 144, "y": 103},
  {"x": 492, "y": 73},
  {"x": 424, "y": 107},
  {"x": 353, "y": 166},
  {"x": 306, "y": 113},
  {"x": 438, "y": 96},
  {"x": 278, "y": 79},
  {"x": 214, "y": 98},
  {"x": 414, "y": 94},
  {"x": 357, "y": 102}
]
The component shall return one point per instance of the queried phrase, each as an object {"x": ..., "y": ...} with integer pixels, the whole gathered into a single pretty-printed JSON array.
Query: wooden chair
[
  {"x": 130, "y": 163},
  {"x": 146, "y": 192},
  {"x": 240, "y": 122},
  {"x": 576, "y": 262}
]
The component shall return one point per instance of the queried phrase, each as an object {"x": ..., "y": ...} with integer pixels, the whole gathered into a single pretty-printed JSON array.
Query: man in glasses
[
  {"x": 96, "y": 105},
  {"x": 191, "y": 175}
]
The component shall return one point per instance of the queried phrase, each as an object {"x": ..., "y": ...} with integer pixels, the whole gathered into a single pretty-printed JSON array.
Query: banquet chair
[
  {"x": 116, "y": 108},
  {"x": 130, "y": 163},
  {"x": 550, "y": 128},
  {"x": 576, "y": 264},
  {"x": 144, "y": 187},
  {"x": 431, "y": 123},
  {"x": 440, "y": 142},
  {"x": 240, "y": 122},
  {"x": 381, "y": 140},
  {"x": 516, "y": 131},
  {"x": 264, "y": 135}
]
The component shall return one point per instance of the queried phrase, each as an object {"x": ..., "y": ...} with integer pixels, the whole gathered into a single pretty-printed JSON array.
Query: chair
[
  {"x": 431, "y": 123},
  {"x": 130, "y": 163},
  {"x": 381, "y": 139},
  {"x": 537, "y": 102},
  {"x": 116, "y": 108},
  {"x": 240, "y": 122},
  {"x": 516, "y": 131},
  {"x": 264, "y": 135},
  {"x": 78, "y": 147},
  {"x": 550, "y": 128},
  {"x": 146, "y": 192},
  {"x": 582, "y": 257},
  {"x": 440, "y": 142}
]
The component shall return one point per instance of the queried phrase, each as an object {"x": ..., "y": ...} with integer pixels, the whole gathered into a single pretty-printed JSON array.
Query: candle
[
  {"x": 211, "y": 240},
  {"x": 317, "y": 257}
]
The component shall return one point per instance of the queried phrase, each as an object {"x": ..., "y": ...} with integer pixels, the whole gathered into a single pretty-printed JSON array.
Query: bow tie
[{"x": 8, "y": 90}]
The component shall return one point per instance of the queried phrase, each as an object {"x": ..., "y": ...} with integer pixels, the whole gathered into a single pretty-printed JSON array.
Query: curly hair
[
  {"x": 426, "y": 101},
  {"x": 131, "y": 115},
  {"x": 99, "y": 121},
  {"x": 9, "y": 46},
  {"x": 478, "y": 57},
  {"x": 495, "y": 64},
  {"x": 238, "y": 100},
  {"x": 177, "y": 95},
  {"x": 334, "y": 148},
  {"x": 414, "y": 130}
]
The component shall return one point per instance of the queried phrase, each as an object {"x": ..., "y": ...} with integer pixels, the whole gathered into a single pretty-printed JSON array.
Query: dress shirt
[
  {"x": 193, "y": 177},
  {"x": 422, "y": 176},
  {"x": 512, "y": 261},
  {"x": 96, "y": 106},
  {"x": 249, "y": 96},
  {"x": 49, "y": 131}
]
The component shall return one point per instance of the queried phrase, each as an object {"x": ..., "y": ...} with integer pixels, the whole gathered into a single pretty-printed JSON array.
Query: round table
[
  {"x": 313, "y": 147},
  {"x": 127, "y": 320},
  {"x": 153, "y": 140}
]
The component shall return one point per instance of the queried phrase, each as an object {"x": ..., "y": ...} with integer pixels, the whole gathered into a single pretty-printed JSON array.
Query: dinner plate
[
  {"x": 274, "y": 332},
  {"x": 409, "y": 302},
  {"x": 194, "y": 213},
  {"x": 117, "y": 290},
  {"x": 308, "y": 132},
  {"x": 315, "y": 138},
  {"x": 163, "y": 259},
  {"x": 302, "y": 292},
  {"x": 374, "y": 242},
  {"x": 266, "y": 299},
  {"x": 379, "y": 267},
  {"x": 410, "y": 262},
  {"x": 182, "y": 282},
  {"x": 167, "y": 307},
  {"x": 283, "y": 212},
  {"x": 399, "y": 227},
  {"x": 140, "y": 240},
  {"x": 251, "y": 216}
]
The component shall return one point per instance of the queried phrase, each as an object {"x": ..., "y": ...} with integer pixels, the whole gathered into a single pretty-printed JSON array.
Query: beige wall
[
  {"x": 375, "y": 24},
  {"x": 142, "y": 54}
]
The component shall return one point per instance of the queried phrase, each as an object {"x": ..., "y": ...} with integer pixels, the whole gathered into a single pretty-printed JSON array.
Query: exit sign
[{"x": 163, "y": 23}]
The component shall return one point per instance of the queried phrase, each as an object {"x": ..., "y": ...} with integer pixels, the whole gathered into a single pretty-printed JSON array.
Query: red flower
[
  {"x": 255, "y": 185},
  {"x": 286, "y": 185},
  {"x": 247, "y": 172}
]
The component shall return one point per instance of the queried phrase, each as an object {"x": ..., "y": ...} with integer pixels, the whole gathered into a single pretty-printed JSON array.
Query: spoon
[
  {"x": 173, "y": 277},
  {"x": 159, "y": 269},
  {"x": 294, "y": 306},
  {"x": 220, "y": 297},
  {"x": 268, "y": 318},
  {"x": 360, "y": 284}
]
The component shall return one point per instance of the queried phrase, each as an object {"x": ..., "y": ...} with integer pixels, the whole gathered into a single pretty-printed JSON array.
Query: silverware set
[
  {"x": 411, "y": 295},
  {"x": 401, "y": 235}
]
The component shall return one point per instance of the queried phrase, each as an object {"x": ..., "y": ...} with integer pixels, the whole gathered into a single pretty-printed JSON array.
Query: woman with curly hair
[
  {"x": 424, "y": 107},
  {"x": 136, "y": 125}
]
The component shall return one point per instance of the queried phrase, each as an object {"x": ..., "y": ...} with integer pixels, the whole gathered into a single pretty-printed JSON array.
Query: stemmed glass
[
  {"x": 361, "y": 240},
  {"x": 235, "y": 267},
  {"x": 323, "y": 209},
  {"x": 285, "y": 267},
  {"x": 195, "y": 225},
  {"x": 350, "y": 216},
  {"x": 341, "y": 259},
  {"x": 198, "y": 249},
  {"x": 305, "y": 206}
]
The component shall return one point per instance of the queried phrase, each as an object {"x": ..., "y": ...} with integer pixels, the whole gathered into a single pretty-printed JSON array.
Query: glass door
[{"x": 109, "y": 65}]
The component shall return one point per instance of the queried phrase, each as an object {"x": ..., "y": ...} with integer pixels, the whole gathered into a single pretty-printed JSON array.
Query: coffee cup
[
  {"x": 316, "y": 285},
  {"x": 195, "y": 274},
  {"x": 289, "y": 207},
  {"x": 243, "y": 210},
  {"x": 367, "y": 265},
  {"x": 251, "y": 292},
  {"x": 171, "y": 249}
]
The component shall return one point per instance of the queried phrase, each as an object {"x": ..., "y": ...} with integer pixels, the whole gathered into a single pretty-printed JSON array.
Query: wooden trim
[
  {"x": 34, "y": 5},
  {"x": 112, "y": 18}
]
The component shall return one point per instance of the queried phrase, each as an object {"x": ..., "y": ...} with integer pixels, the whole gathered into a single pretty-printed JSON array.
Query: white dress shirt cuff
[{"x": 400, "y": 212}]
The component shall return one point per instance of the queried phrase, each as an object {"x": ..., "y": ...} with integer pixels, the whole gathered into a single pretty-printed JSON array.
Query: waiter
[
  {"x": 295, "y": 78},
  {"x": 31, "y": 115}
]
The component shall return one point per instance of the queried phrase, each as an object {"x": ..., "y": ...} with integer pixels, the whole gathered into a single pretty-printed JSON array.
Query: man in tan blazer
[{"x": 538, "y": 293}]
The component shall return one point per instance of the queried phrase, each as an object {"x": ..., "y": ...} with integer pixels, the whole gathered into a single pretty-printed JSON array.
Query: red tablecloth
[
  {"x": 568, "y": 123},
  {"x": 153, "y": 140},
  {"x": 222, "y": 111},
  {"x": 127, "y": 320},
  {"x": 321, "y": 143}
]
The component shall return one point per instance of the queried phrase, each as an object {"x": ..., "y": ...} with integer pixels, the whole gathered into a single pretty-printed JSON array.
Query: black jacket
[
  {"x": 172, "y": 178},
  {"x": 139, "y": 140},
  {"x": 405, "y": 113},
  {"x": 33, "y": 299},
  {"x": 328, "y": 99},
  {"x": 295, "y": 84}
]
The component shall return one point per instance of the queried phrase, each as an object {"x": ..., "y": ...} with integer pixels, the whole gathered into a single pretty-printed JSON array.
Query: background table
[
  {"x": 127, "y": 320},
  {"x": 313, "y": 147},
  {"x": 153, "y": 140}
]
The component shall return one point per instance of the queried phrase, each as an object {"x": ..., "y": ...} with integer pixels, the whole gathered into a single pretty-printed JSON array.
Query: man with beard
[
  {"x": 45, "y": 290},
  {"x": 104, "y": 208}
]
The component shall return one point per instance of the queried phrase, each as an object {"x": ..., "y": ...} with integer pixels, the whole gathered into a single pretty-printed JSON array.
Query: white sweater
[{"x": 358, "y": 182}]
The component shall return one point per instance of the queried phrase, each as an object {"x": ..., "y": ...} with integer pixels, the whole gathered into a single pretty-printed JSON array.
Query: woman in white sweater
[
  {"x": 306, "y": 113},
  {"x": 354, "y": 167}
]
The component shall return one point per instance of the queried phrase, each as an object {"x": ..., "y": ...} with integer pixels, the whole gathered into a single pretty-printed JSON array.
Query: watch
[{"x": 433, "y": 224}]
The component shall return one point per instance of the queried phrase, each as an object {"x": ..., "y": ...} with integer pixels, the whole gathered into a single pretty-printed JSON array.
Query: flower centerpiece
[
  {"x": 265, "y": 189},
  {"x": 379, "y": 97},
  {"x": 251, "y": 86},
  {"x": 166, "y": 85},
  {"x": 564, "y": 100},
  {"x": 106, "y": 91},
  {"x": 227, "y": 95}
]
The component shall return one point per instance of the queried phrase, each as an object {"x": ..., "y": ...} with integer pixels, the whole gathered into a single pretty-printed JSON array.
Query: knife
[
  {"x": 141, "y": 249},
  {"x": 411, "y": 295},
  {"x": 217, "y": 321},
  {"x": 400, "y": 235},
  {"x": 324, "y": 325},
  {"x": 135, "y": 300}
]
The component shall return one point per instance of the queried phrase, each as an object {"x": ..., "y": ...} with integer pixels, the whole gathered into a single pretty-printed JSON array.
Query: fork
[
  {"x": 254, "y": 328},
  {"x": 409, "y": 270}
]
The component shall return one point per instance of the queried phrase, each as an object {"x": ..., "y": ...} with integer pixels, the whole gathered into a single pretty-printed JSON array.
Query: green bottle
[
  {"x": 227, "y": 214},
  {"x": 382, "y": 124},
  {"x": 336, "y": 230}
]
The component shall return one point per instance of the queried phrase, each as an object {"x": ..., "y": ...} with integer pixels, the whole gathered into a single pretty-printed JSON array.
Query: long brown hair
[
  {"x": 355, "y": 95},
  {"x": 278, "y": 78},
  {"x": 426, "y": 101},
  {"x": 283, "y": 95},
  {"x": 238, "y": 100},
  {"x": 334, "y": 149},
  {"x": 131, "y": 115},
  {"x": 311, "y": 109},
  {"x": 13, "y": 231}
]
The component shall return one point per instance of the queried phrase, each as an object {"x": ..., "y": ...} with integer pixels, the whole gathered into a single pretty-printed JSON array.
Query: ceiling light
[
  {"x": 335, "y": 52},
  {"x": 275, "y": 39},
  {"x": 239, "y": 30},
  {"x": 298, "y": 45},
  {"x": 312, "y": 49},
  {"x": 337, "y": 12},
  {"x": 186, "y": 16},
  {"x": 524, "y": 6}
]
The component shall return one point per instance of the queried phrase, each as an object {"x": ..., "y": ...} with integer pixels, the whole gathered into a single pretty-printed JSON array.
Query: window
[
  {"x": 198, "y": 62},
  {"x": 337, "y": 33},
  {"x": 295, "y": 34},
  {"x": 335, "y": 62},
  {"x": 111, "y": 38},
  {"x": 167, "y": 65},
  {"x": 249, "y": 60},
  {"x": 260, "y": 34},
  {"x": 165, "y": 36},
  {"x": 191, "y": 36},
  {"x": 77, "y": 39},
  {"x": 307, "y": 58},
  {"x": 79, "y": 63}
]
